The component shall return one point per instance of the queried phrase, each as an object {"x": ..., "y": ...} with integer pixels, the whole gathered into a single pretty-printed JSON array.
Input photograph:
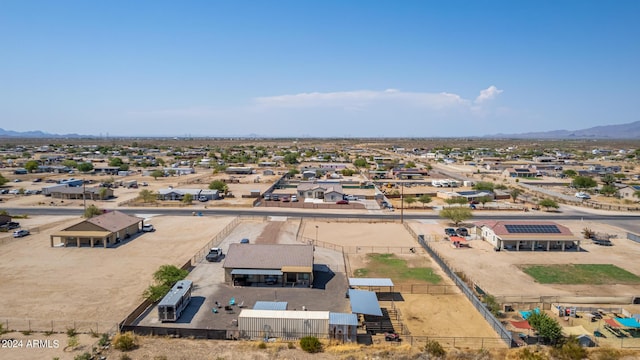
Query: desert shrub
[
  {"x": 291, "y": 345},
  {"x": 262, "y": 345},
  {"x": 73, "y": 342},
  {"x": 125, "y": 341},
  {"x": 310, "y": 344},
  {"x": 71, "y": 332},
  {"x": 434, "y": 348},
  {"x": 160, "y": 357},
  {"x": 569, "y": 349},
  {"x": 605, "y": 354},
  {"x": 85, "y": 356},
  {"x": 104, "y": 340},
  {"x": 527, "y": 354},
  {"x": 125, "y": 357},
  {"x": 26, "y": 332}
]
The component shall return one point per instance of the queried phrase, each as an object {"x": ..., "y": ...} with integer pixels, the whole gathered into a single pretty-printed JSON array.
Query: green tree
[
  {"x": 85, "y": 167},
  {"x": 410, "y": 199},
  {"x": 547, "y": 327},
  {"x": 348, "y": 172},
  {"x": 165, "y": 277},
  {"x": 187, "y": 198},
  {"x": 290, "y": 158},
  {"x": 70, "y": 164},
  {"x": 548, "y": 204},
  {"x": 484, "y": 199},
  {"x": 3, "y": 180},
  {"x": 92, "y": 211},
  {"x": 584, "y": 182},
  {"x": 608, "y": 179},
  {"x": 608, "y": 190},
  {"x": 102, "y": 193},
  {"x": 456, "y": 214},
  {"x": 360, "y": 162},
  {"x": 219, "y": 185},
  {"x": 484, "y": 186},
  {"x": 31, "y": 165},
  {"x": 458, "y": 200},
  {"x": 570, "y": 173},
  {"x": 115, "y": 162},
  {"x": 409, "y": 165},
  {"x": 636, "y": 194},
  {"x": 157, "y": 173},
  {"x": 147, "y": 196},
  {"x": 293, "y": 172},
  {"x": 425, "y": 199},
  {"x": 514, "y": 193}
]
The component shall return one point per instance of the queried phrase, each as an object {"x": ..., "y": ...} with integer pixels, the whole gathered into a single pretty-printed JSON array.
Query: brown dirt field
[
  {"x": 95, "y": 285},
  {"x": 442, "y": 316}
]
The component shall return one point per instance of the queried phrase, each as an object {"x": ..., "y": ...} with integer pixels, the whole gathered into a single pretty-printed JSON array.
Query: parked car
[
  {"x": 20, "y": 233},
  {"x": 10, "y": 225},
  {"x": 351, "y": 198},
  {"x": 215, "y": 254},
  {"x": 450, "y": 232},
  {"x": 14, "y": 191},
  {"x": 244, "y": 241},
  {"x": 583, "y": 196},
  {"x": 203, "y": 199},
  {"x": 270, "y": 280},
  {"x": 148, "y": 228},
  {"x": 294, "y": 198},
  {"x": 462, "y": 231},
  {"x": 275, "y": 197},
  {"x": 342, "y": 202},
  {"x": 267, "y": 197},
  {"x": 285, "y": 199}
]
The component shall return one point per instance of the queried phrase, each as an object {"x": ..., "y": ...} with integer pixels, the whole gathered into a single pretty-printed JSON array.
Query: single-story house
[
  {"x": 68, "y": 193},
  {"x": 520, "y": 235},
  {"x": 520, "y": 172},
  {"x": 239, "y": 170},
  {"x": 629, "y": 192},
  {"x": 110, "y": 170},
  {"x": 280, "y": 265},
  {"x": 106, "y": 229},
  {"x": 179, "y": 170},
  {"x": 178, "y": 194},
  {"x": 329, "y": 191},
  {"x": 5, "y": 219}
]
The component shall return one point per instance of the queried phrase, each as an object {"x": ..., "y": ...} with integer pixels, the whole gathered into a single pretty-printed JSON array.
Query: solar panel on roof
[{"x": 532, "y": 229}]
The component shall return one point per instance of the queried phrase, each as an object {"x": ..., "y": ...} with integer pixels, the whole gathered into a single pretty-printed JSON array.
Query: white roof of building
[{"x": 284, "y": 314}]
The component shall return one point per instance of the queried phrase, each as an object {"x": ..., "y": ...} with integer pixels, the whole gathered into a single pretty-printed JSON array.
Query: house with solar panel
[{"x": 528, "y": 235}]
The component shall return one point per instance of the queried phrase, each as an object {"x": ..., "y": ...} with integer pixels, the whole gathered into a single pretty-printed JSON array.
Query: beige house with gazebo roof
[{"x": 106, "y": 229}]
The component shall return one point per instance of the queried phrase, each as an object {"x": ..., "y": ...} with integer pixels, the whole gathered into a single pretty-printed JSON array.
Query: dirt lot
[
  {"x": 93, "y": 284},
  {"x": 497, "y": 272}
]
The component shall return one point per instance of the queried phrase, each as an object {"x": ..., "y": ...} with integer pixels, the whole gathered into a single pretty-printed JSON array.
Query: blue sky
[{"x": 317, "y": 68}]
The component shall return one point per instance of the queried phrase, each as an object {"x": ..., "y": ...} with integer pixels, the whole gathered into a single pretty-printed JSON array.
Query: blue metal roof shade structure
[
  {"x": 370, "y": 282},
  {"x": 364, "y": 302}
]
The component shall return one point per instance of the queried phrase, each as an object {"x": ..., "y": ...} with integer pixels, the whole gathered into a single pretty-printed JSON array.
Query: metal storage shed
[
  {"x": 343, "y": 327},
  {"x": 270, "y": 305},
  {"x": 283, "y": 324}
]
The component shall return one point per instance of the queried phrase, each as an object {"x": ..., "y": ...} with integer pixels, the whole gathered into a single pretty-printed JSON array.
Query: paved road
[{"x": 566, "y": 214}]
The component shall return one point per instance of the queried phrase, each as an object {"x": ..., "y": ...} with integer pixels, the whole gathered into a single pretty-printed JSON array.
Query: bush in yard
[
  {"x": 310, "y": 344},
  {"x": 125, "y": 341},
  {"x": 433, "y": 348}
]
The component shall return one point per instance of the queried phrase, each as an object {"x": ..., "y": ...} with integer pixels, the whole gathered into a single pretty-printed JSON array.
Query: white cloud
[
  {"x": 363, "y": 98},
  {"x": 487, "y": 94}
]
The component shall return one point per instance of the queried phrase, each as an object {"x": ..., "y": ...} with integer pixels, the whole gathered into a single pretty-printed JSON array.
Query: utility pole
[
  {"x": 402, "y": 203},
  {"x": 84, "y": 196}
]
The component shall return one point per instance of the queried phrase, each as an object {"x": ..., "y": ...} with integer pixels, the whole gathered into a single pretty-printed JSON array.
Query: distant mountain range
[
  {"x": 619, "y": 131},
  {"x": 37, "y": 134}
]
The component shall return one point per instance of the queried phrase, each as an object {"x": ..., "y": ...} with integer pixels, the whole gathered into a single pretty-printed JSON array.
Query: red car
[{"x": 342, "y": 202}]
